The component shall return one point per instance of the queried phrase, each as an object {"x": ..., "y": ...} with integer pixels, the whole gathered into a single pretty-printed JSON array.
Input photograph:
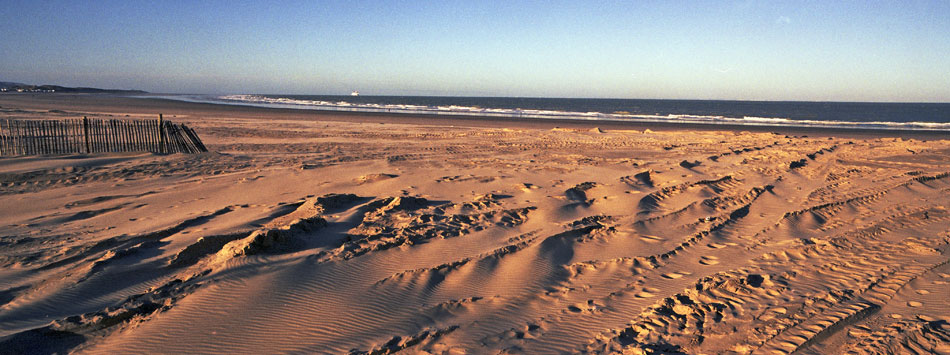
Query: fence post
[
  {"x": 31, "y": 130},
  {"x": 17, "y": 140},
  {"x": 3, "y": 147},
  {"x": 85, "y": 132},
  {"x": 162, "y": 139}
]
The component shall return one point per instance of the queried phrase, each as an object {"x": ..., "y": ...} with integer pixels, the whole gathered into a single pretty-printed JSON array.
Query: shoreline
[{"x": 95, "y": 103}]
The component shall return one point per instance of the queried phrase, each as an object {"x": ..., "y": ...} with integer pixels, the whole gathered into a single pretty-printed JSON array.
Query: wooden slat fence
[{"x": 32, "y": 137}]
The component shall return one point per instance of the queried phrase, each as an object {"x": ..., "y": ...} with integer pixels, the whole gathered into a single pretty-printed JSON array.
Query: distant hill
[{"x": 6, "y": 86}]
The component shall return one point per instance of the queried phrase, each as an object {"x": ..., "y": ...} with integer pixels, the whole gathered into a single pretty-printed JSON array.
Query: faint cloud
[{"x": 783, "y": 20}]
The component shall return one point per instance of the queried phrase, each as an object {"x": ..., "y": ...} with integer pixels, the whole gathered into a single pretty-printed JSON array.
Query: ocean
[{"x": 862, "y": 115}]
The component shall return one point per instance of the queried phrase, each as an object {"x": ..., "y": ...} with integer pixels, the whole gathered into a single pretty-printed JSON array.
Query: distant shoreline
[
  {"x": 20, "y": 88},
  {"x": 90, "y": 104}
]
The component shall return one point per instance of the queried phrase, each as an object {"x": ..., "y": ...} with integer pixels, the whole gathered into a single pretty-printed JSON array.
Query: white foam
[{"x": 263, "y": 101}]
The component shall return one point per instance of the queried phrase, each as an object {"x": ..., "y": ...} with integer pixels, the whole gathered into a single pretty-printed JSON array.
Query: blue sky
[{"x": 746, "y": 50}]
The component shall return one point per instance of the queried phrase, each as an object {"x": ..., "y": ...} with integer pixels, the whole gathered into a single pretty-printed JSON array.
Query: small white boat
[{"x": 355, "y": 93}]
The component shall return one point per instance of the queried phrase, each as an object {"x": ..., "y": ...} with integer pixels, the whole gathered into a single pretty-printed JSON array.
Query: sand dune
[{"x": 321, "y": 236}]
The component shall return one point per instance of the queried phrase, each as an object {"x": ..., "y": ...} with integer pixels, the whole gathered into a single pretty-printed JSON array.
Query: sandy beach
[{"x": 312, "y": 232}]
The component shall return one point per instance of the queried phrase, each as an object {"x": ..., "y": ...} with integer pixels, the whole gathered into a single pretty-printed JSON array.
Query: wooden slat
[
  {"x": 54, "y": 135},
  {"x": 11, "y": 139},
  {"x": 93, "y": 137},
  {"x": 148, "y": 135},
  {"x": 48, "y": 136},
  {"x": 44, "y": 139},
  {"x": 124, "y": 127},
  {"x": 17, "y": 141},
  {"x": 93, "y": 141},
  {"x": 108, "y": 137},
  {"x": 71, "y": 135},
  {"x": 171, "y": 148},
  {"x": 101, "y": 135},
  {"x": 182, "y": 146},
  {"x": 143, "y": 140},
  {"x": 130, "y": 131},
  {"x": 155, "y": 137},
  {"x": 77, "y": 133},
  {"x": 129, "y": 136},
  {"x": 21, "y": 143},
  {"x": 60, "y": 137},
  {"x": 7, "y": 138},
  {"x": 27, "y": 133},
  {"x": 140, "y": 136},
  {"x": 27, "y": 129},
  {"x": 182, "y": 141},
  {"x": 114, "y": 136},
  {"x": 163, "y": 140},
  {"x": 40, "y": 138},
  {"x": 3, "y": 138},
  {"x": 14, "y": 134},
  {"x": 23, "y": 130},
  {"x": 16, "y": 137},
  {"x": 31, "y": 134},
  {"x": 85, "y": 133},
  {"x": 36, "y": 137},
  {"x": 198, "y": 142},
  {"x": 51, "y": 136},
  {"x": 97, "y": 136}
]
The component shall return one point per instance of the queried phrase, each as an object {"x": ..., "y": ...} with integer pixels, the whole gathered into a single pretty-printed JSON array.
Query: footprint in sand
[
  {"x": 717, "y": 245},
  {"x": 647, "y": 292},
  {"x": 709, "y": 260},
  {"x": 914, "y": 304},
  {"x": 682, "y": 309},
  {"x": 651, "y": 238},
  {"x": 923, "y": 292},
  {"x": 526, "y": 187},
  {"x": 779, "y": 310},
  {"x": 675, "y": 275}
]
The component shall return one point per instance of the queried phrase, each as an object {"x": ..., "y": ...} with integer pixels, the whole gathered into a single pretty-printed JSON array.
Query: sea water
[{"x": 866, "y": 115}]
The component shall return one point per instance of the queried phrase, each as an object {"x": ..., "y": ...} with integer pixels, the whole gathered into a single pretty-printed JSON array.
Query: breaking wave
[{"x": 342, "y": 105}]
